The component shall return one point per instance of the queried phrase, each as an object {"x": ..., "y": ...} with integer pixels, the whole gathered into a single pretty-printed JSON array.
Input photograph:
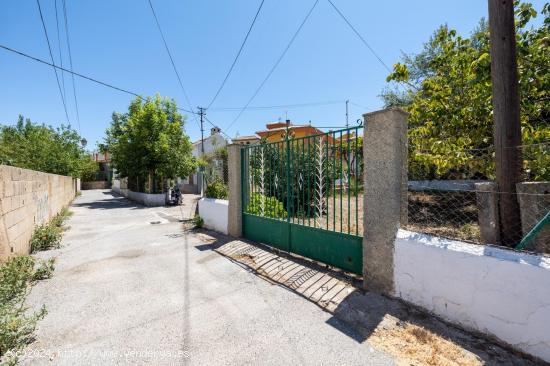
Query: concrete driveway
[{"x": 131, "y": 286}]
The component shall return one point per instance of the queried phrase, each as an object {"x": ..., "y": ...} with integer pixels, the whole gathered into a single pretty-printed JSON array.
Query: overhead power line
[
  {"x": 60, "y": 52},
  {"x": 238, "y": 54},
  {"x": 274, "y": 66},
  {"x": 53, "y": 62},
  {"x": 360, "y": 36},
  {"x": 171, "y": 59},
  {"x": 69, "y": 71},
  {"x": 80, "y": 75},
  {"x": 71, "y": 63}
]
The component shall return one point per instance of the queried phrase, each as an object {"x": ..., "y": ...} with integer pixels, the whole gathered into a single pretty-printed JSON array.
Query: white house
[{"x": 211, "y": 143}]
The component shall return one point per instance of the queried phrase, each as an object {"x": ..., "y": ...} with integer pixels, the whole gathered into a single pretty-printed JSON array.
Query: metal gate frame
[{"x": 288, "y": 227}]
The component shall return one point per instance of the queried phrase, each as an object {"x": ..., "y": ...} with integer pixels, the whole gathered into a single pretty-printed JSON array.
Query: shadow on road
[
  {"x": 117, "y": 201},
  {"x": 359, "y": 314}
]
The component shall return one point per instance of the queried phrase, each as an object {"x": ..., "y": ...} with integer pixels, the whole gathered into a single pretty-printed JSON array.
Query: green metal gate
[{"x": 304, "y": 195}]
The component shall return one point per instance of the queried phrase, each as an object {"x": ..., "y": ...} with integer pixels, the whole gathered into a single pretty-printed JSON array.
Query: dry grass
[{"x": 414, "y": 345}]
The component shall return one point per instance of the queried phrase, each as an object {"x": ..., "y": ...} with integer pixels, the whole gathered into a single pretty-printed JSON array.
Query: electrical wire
[
  {"x": 69, "y": 71},
  {"x": 237, "y": 56},
  {"x": 360, "y": 36},
  {"x": 53, "y": 63},
  {"x": 172, "y": 59},
  {"x": 71, "y": 63},
  {"x": 274, "y": 66},
  {"x": 60, "y": 52}
]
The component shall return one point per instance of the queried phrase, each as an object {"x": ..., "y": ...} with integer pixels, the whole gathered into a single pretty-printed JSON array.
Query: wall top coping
[
  {"x": 215, "y": 200},
  {"x": 498, "y": 253},
  {"x": 391, "y": 109}
]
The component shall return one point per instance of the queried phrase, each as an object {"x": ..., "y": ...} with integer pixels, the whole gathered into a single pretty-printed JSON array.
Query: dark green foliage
[
  {"x": 148, "y": 144},
  {"x": 198, "y": 221},
  {"x": 303, "y": 172},
  {"x": 17, "y": 324},
  {"x": 447, "y": 90},
  {"x": 43, "y": 148},
  {"x": 216, "y": 189},
  {"x": 271, "y": 206}
]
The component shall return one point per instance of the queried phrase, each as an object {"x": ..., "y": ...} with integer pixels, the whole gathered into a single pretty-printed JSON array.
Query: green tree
[
  {"x": 147, "y": 144},
  {"x": 446, "y": 88},
  {"x": 43, "y": 148}
]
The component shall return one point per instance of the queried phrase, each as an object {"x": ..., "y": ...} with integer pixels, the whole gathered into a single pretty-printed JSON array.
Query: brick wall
[{"x": 28, "y": 198}]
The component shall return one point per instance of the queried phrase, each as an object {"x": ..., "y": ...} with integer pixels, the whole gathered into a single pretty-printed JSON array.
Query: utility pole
[
  {"x": 506, "y": 116},
  {"x": 202, "y": 113},
  {"x": 347, "y": 115}
]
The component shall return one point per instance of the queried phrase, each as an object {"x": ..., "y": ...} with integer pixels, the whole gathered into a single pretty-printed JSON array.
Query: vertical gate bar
[
  {"x": 308, "y": 181},
  {"x": 349, "y": 185},
  {"x": 333, "y": 181},
  {"x": 327, "y": 178},
  {"x": 302, "y": 162},
  {"x": 287, "y": 176},
  {"x": 269, "y": 193},
  {"x": 356, "y": 157},
  {"x": 341, "y": 168}
]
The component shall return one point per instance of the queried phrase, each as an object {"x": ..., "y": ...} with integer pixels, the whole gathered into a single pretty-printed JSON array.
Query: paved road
[{"x": 126, "y": 291}]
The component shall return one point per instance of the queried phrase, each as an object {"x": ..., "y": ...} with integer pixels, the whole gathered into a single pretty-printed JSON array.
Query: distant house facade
[
  {"x": 246, "y": 140},
  {"x": 277, "y": 131},
  {"x": 215, "y": 141}
]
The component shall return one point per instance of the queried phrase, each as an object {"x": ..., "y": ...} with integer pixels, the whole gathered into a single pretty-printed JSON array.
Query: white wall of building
[{"x": 495, "y": 291}]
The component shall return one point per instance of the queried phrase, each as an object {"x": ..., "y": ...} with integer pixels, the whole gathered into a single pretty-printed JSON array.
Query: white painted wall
[
  {"x": 495, "y": 291},
  {"x": 214, "y": 213}
]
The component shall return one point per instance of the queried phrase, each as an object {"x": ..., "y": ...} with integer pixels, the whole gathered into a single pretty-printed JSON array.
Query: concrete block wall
[{"x": 28, "y": 198}]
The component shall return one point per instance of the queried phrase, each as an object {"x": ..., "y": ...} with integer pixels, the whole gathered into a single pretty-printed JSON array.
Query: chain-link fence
[{"x": 458, "y": 198}]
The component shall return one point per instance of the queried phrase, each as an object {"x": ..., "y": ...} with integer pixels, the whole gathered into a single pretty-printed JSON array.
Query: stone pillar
[
  {"x": 534, "y": 203},
  {"x": 487, "y": 212},
  {"x": 234, "y": 225},
  {"x": 385, "y": 177}
]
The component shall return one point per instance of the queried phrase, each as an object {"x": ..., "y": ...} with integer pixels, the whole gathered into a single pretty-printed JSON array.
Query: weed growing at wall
[
  {"x": 17, "y": 324},
  {"x": 198, "y": 221},
  {"x": 48, "y": 236},
  {"x": 45, "y": 237}
]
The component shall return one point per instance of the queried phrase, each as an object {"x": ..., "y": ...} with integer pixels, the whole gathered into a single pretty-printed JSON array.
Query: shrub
[
  {"x": 44, "y": 270},
  {"x": 198, "y": 221},
  {"x": 216, "y": 189},
  {"x": 61, "y": 217},
  {"x": 271, "y": 206},
  {"x": 45, "y": 237},
  {"x": 16, "y": 323}
]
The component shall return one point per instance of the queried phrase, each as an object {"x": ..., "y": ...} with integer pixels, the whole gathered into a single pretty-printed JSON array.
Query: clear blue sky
[{"x": 117, "y": 42}]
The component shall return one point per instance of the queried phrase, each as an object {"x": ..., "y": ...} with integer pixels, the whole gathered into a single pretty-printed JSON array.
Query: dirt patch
[{"x": 414, "y": 345}]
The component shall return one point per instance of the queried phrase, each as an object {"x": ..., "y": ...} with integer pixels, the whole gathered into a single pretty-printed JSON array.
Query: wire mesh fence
[{"x": 461, "y": 201}]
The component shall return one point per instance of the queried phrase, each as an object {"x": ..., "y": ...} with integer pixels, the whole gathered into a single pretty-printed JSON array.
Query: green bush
[
  {"x": 61, "y": 217},
  {"x": 45, "y": 237},
  {"x": 198, "y": 221},
  {"x": 271, "y": 206},
  {"x": 216, "y": 189},
  {"x": 17, "y": 324}
]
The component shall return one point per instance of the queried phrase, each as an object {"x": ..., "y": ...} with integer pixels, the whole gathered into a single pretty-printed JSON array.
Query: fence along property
[
  {"x": 466, "y": 209},
  {"x": 304, "y": 195}
]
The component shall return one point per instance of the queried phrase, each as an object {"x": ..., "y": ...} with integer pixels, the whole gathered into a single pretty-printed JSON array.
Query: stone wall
[
  {"x": 28, "y": 198},
  {"x": 98, "y": 184}
]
